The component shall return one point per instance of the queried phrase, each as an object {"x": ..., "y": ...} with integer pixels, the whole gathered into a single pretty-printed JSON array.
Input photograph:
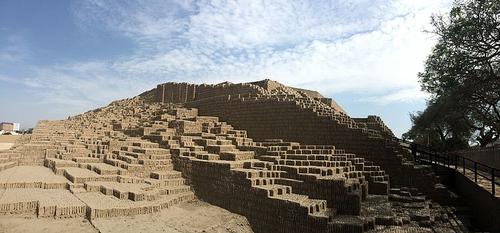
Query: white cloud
[
  {"x": 402, "y": 95},
  {"x": 249, "y": 24},
  {"x": 83, "y": 85},
  {"x": 152, "y": 23},
  {"x": 14, "y": 48},
  {"x": 371, "y": 42},
  {"x": 363, "y": 46}
]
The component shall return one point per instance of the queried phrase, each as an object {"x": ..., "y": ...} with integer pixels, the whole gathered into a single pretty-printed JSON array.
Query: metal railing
[{"x": 424, "y": 155}]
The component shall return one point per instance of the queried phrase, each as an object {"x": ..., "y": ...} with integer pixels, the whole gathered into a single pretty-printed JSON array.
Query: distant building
[
  {"x": 9, "y": 127},
  {"x": 16, "y": 127}
]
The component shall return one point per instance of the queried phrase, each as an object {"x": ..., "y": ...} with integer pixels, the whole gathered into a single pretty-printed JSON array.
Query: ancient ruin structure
[{"x": 287, "y": 159}]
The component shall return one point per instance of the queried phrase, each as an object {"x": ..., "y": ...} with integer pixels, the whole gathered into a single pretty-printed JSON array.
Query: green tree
[
  {"x": 464, "y": 68},
  {"x": 439, "y": 131}
]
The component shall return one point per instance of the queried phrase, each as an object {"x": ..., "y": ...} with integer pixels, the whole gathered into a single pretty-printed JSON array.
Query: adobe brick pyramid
[{"x": 287, "y": 159}]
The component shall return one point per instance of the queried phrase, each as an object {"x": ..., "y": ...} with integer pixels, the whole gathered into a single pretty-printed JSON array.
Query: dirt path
[
  {"x": 5, "y": 145},
  {"x": 7, "y": 141},
  {"x": 9, "y": 138},
  {"x": 44, "y": 225},
  {"x": 195, "y": 216}
]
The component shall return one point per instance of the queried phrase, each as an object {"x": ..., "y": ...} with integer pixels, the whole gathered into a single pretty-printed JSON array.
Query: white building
[{"x": 16, "y": 127}]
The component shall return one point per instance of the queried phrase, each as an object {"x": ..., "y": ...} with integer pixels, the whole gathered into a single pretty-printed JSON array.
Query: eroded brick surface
[{"x": 295, "y": 170}]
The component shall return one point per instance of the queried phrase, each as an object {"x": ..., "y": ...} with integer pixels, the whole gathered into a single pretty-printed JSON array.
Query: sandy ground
[
  {"x": 9, "y": 138},
  {"x": 7, "y": 141},
  {"x": 44, "y": 225},
  {"x": 194, "y": 216},
  {"x": 5, "y": 145},
  {"x": 30, "y": 174}
]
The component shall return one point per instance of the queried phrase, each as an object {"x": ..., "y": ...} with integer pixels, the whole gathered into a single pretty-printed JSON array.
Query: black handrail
[{"x": 444, "y": 159}]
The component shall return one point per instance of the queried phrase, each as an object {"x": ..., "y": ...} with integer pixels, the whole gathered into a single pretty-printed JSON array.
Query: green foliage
[
  {"x": 439, "y": 131},
  {"x": 462, "y": 74}
]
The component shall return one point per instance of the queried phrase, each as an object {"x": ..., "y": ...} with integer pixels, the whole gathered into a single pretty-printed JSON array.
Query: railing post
[
  {"x": 435, "y": 163},
  {"x": 475, "y": 172},
  {"x": 414, "y": 152},
  {"x": 463, "y": 163},
  {"x": 493, "y": 181},
  {"x": 456, "y": 162}
]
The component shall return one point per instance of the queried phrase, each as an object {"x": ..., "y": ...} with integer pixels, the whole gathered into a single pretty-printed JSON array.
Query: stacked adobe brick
[
  {"x": 269, "y": 110},
  {"x": 325, "y": 159},
  {"x": 208, "y": 153},
  {"x": 376, "y": 124},
  {"x": 119, "y": 160},
  {"x": 95, "y": 171},
  {"x": 276, "y": 178}
]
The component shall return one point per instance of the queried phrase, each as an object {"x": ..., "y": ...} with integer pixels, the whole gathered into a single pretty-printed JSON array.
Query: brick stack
[
  {"x": 271, "y": 110},
  {"x": 135, "y": 156}
]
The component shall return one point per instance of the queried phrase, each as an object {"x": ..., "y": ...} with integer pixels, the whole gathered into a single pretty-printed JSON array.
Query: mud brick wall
[
  {"x": 183, "y": 164},
  {"x": 208, "y": 91},
  {"x": 332, "y": 191},
  {"x": 41, "y": 185},
  {"x": 183, "y": 113},
  {"x": 116, "y": 145},
  {"x": 175, "y": 92},
  {"x": 488, "y": 155},
  {"x": 185, "y": 92},
  {"x": 375, "y": 123},
  {"x": 217, "y": 184},
  {"x": 33, "y": 154},
  {"x": 482, "y": 203},
  {"x": 42, "y": 203},
  {"x": 131, "y": 210},
  {"x": 21, "y": 207},
  {"x": 185, "y": 127},
  {"x": 268, "y": 119},
  {"x": 330, "y": 102},
  {"x": 267, "y": 84}
]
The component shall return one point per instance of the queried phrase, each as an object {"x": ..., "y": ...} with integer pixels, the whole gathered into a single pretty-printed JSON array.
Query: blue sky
[{"x": 60, "y": 58}]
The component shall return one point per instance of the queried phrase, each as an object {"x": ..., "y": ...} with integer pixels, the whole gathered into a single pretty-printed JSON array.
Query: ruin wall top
[{"x": 173, "y": 92}]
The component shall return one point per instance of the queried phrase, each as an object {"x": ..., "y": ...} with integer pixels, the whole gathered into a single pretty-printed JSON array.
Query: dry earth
[
  {"x": 44, "y": 225},
  {"x": 194, "y": 216},
  {"x": 7, "y": 141},
  {"x": 5, "y": 145}
]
